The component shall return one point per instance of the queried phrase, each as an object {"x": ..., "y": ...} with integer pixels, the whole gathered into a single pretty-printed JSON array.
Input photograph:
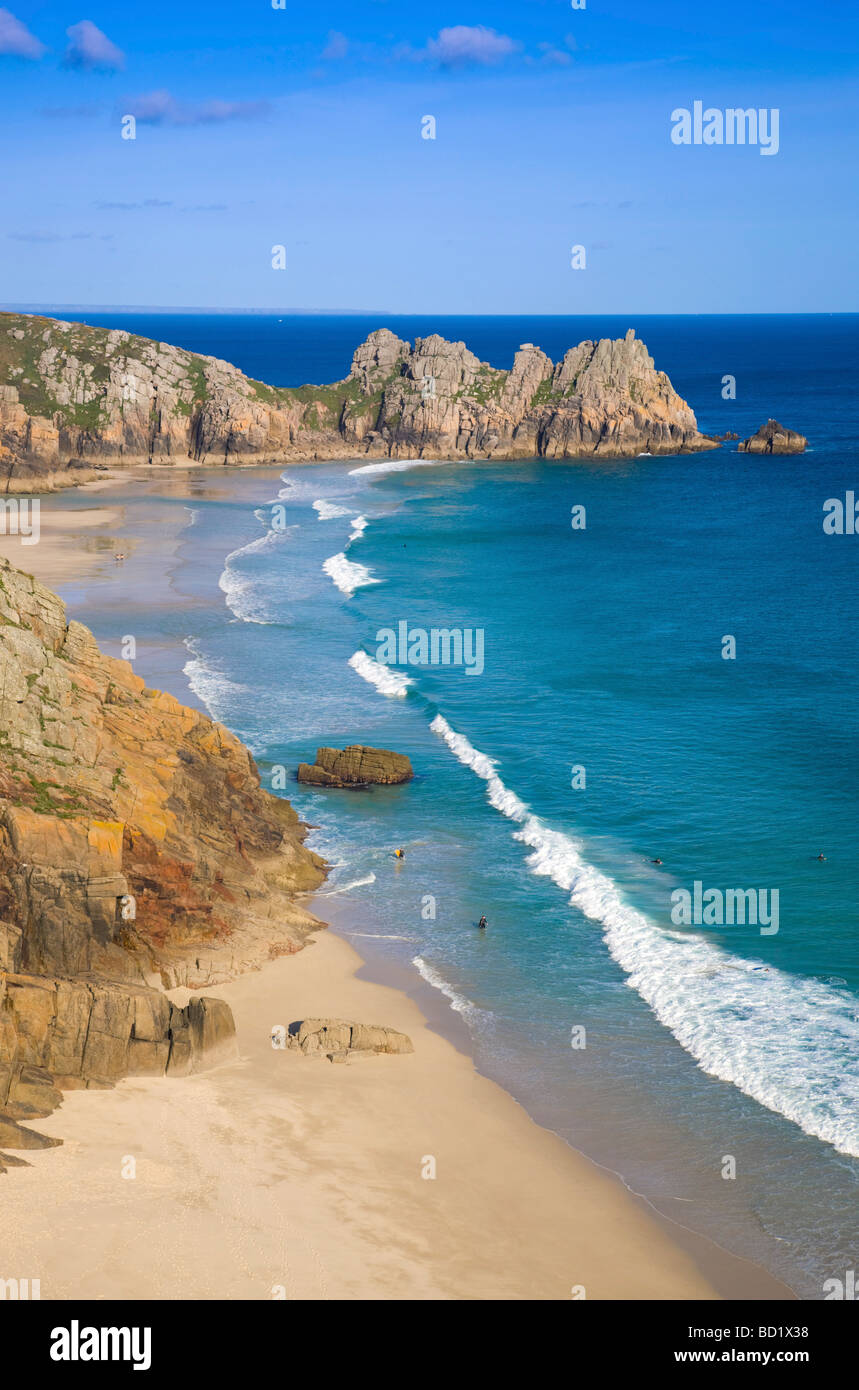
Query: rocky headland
[
  {"x": 138, "y": 852},
  {"x": 74, "y": 396},
  {"x": 773, "y": 438}
]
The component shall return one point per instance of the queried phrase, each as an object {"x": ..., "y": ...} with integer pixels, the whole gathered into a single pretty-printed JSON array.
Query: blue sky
[{"x": 302, "y": 127}]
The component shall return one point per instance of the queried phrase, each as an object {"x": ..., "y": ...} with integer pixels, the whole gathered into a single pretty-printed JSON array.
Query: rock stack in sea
[
  {"x": 356, "y": 766},
  {"x": 773, "y": 438}
]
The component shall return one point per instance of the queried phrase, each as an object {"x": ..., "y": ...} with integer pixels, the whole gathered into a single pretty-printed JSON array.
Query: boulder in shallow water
[{"x": 356, "y": 766}]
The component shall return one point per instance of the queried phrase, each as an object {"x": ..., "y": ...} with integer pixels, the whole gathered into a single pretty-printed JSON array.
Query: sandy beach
[
  {"x": 282, "y": 1176},
  {"x": 274, "y": 1175}
]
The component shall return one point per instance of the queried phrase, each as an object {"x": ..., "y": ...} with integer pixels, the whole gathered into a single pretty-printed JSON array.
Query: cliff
[
  {"x": 75, "y": 396},
  {"x": 137, "y": 852}
]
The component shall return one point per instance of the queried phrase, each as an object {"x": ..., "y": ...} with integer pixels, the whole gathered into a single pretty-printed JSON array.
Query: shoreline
[
  {"x": 308, "y": 1177},
  {"x": 579, "y": 1206}
]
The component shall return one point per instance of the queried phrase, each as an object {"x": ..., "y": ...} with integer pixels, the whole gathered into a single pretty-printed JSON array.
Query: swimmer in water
[
  {"x": 483, "y": 924},
  {"x": 656, "y": 861},
  {"x": 821, "y": 856},
  {"x": 399, "y": 854}
]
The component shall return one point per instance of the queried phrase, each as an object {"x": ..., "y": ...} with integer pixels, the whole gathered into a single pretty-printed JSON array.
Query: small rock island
[
  {"x": 356, "y": 766},
  {"x": 773, "y": 438}
]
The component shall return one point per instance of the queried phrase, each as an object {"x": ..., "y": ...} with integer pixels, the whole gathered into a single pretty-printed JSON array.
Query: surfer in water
[
  {"x": 656, "y": 861},
  {"x": 483, "y": 924},
  {"x": 399, "y": 854},
  {"x": 821, "y": 856}
]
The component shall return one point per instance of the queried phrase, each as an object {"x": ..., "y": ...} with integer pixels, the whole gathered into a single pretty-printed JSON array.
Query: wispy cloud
[
  {"x": 92, "y": 50},
  {"x": 42, "y": 238},
  {"x": 131, "y": 207},
  {"x": 557, "y": 56},
  {"x": 336, "y": 47},
  {"x": 16, "y": 39},
  {"x": 161, "y": 108},
  {"x": 464, "y": 45},
  {"x": 82, "y": 111}
]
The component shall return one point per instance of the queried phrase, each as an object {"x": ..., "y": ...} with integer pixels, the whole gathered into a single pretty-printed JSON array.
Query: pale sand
[
  {"x": 277, "y": 1170},
  {"x": 280, "y": 1172},
  {"x": 71, "y": 545}
]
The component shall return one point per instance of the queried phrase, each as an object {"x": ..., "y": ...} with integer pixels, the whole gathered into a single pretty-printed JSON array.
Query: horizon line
[{"x": 50, "y": 308}]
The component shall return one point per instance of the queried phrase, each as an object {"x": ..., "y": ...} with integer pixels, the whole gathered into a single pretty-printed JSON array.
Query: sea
[{"x": 660, "y": 693}]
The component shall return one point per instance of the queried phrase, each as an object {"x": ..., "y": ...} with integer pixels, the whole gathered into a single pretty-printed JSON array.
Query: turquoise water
[{"x": 603, "y": 652}]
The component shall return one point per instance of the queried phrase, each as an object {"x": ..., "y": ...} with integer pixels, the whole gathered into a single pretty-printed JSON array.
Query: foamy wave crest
[
  {"x": 393, "y": 466},
  {"x": 241, "y": 597},
  {"x": 347, "y": 887},
  {"x": 216, "y": 690},
  {"x": 786, "y": 1042},
  {"x": 239, "y": 588},
  {"x": 386, "y": 681},
  {"x": 377, "y": 935},
  {"x": 457, "y": 1002},
  {"x": 347, "y": 574},
  {"x": 500, "y": 797},
  {"x": 359, "y": 526},
  {"x": 329, "y": 510}
]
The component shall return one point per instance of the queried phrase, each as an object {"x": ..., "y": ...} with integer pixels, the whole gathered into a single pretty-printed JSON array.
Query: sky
[{"x": 288, "y": 124}]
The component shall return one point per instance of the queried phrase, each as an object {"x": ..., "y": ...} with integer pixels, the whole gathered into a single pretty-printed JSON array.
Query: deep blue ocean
[{"x": 606, "y": 730}]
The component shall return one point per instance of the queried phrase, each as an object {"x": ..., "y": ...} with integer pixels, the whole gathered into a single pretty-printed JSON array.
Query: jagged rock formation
[
  {"x": 137, "y": 852},
  {"x": 72, "y": 396},
  {"x": 773, "y": 438},
  {"x": 340, "y": 1041},
  {"x": 356, "y": 766}
]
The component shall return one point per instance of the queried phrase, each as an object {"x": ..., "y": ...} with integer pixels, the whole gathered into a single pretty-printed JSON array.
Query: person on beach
[{"x": 483, "y": 924}]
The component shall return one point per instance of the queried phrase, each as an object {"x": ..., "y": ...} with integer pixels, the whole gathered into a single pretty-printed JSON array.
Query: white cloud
[
  {"x": 464, "y": 45},
  {"x": 90, "y": 48},
  {"x": 16, "y": 39},
  {"x": 161, "y": 108},
  {"x": 336, "y": 47}
]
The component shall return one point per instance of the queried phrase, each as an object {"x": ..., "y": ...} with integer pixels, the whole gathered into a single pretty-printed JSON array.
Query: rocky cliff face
[
  {"x": 71, "y": 395},
  {"x": 137, "y": 851}
]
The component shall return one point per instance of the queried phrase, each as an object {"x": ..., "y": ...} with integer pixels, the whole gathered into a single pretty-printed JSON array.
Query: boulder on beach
[
  {"x": 338, "y": 1040},
  {"x": 356, "y": 766},
  {"x": 773, "y": 438}
]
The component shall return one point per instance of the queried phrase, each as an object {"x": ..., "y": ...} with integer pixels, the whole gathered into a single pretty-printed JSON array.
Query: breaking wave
[
  {"x": 347, "y": 574},
  {"x": 785, "y": 1041},
  {"x": 386, "y": 681}
]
